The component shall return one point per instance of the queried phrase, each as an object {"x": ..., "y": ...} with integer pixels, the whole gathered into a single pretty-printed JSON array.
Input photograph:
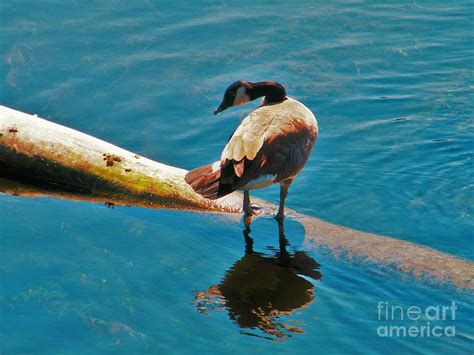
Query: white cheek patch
[{"x": 241, "y": 96}]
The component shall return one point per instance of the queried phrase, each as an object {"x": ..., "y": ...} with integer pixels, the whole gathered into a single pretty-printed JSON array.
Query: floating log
[
  {"x": 41, "y": 158},
  {"x": 58, "y": 158}
]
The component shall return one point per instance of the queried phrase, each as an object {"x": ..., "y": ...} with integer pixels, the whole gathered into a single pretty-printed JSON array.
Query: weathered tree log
[
  {"x": 52, "y": 156},
  {"x": 41, "y": 158}
]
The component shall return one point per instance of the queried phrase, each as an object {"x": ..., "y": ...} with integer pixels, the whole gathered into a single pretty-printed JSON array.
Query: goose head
[
  {"x": 241, "y": 92},
  {"x": 236, "y": 94}
]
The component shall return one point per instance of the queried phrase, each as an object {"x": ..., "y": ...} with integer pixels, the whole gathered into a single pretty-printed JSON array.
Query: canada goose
[{"x": 271, "y": 145}]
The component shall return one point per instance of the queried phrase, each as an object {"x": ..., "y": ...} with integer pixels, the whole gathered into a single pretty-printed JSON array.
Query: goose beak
[{"x": 219, "y": 109}]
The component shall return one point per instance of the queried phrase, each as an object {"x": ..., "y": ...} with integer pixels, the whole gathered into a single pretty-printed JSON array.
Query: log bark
[
  {"x": 58, "y": 158},
  {"x": 41, "y": 158}
]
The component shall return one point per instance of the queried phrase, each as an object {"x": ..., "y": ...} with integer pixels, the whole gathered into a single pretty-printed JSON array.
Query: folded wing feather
[{"x": 262, "y": 127}]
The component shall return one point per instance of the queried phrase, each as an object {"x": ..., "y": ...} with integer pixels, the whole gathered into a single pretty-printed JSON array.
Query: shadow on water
[{"x": 260, "y": 288}]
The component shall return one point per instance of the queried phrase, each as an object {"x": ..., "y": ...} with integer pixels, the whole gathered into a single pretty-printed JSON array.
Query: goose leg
[
  {"x": 284, "y": 186},
  {"x": 247, "y": 209}
]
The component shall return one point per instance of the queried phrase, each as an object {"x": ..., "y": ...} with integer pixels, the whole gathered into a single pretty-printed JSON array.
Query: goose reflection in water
[{"x": 258, "y": 289}]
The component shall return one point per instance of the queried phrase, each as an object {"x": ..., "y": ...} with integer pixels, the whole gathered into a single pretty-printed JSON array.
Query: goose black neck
[{"x": 272, "y": 91}]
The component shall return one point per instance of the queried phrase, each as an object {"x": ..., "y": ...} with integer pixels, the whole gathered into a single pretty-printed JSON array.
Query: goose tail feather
[{"x": 205, "y": 180}]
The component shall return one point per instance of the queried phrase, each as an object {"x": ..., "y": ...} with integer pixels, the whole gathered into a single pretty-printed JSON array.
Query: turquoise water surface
[{"x": 392, "y": 86}]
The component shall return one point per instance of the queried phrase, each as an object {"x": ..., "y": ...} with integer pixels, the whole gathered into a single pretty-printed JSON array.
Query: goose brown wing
[{"x": 266, "y": 143}]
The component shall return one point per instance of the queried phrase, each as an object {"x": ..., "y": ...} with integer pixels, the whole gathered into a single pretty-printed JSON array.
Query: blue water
[{"x": 391, "y": 84}]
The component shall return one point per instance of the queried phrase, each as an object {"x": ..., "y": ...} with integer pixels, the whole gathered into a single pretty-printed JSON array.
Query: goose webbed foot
[
  {"x": 281, "y": 212},
  {"x": 280, "y": 216},
  {"x": 248, "y": 211},
  {"x": 252, "y": 210},
  {"x": 249, "y": 208}
]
